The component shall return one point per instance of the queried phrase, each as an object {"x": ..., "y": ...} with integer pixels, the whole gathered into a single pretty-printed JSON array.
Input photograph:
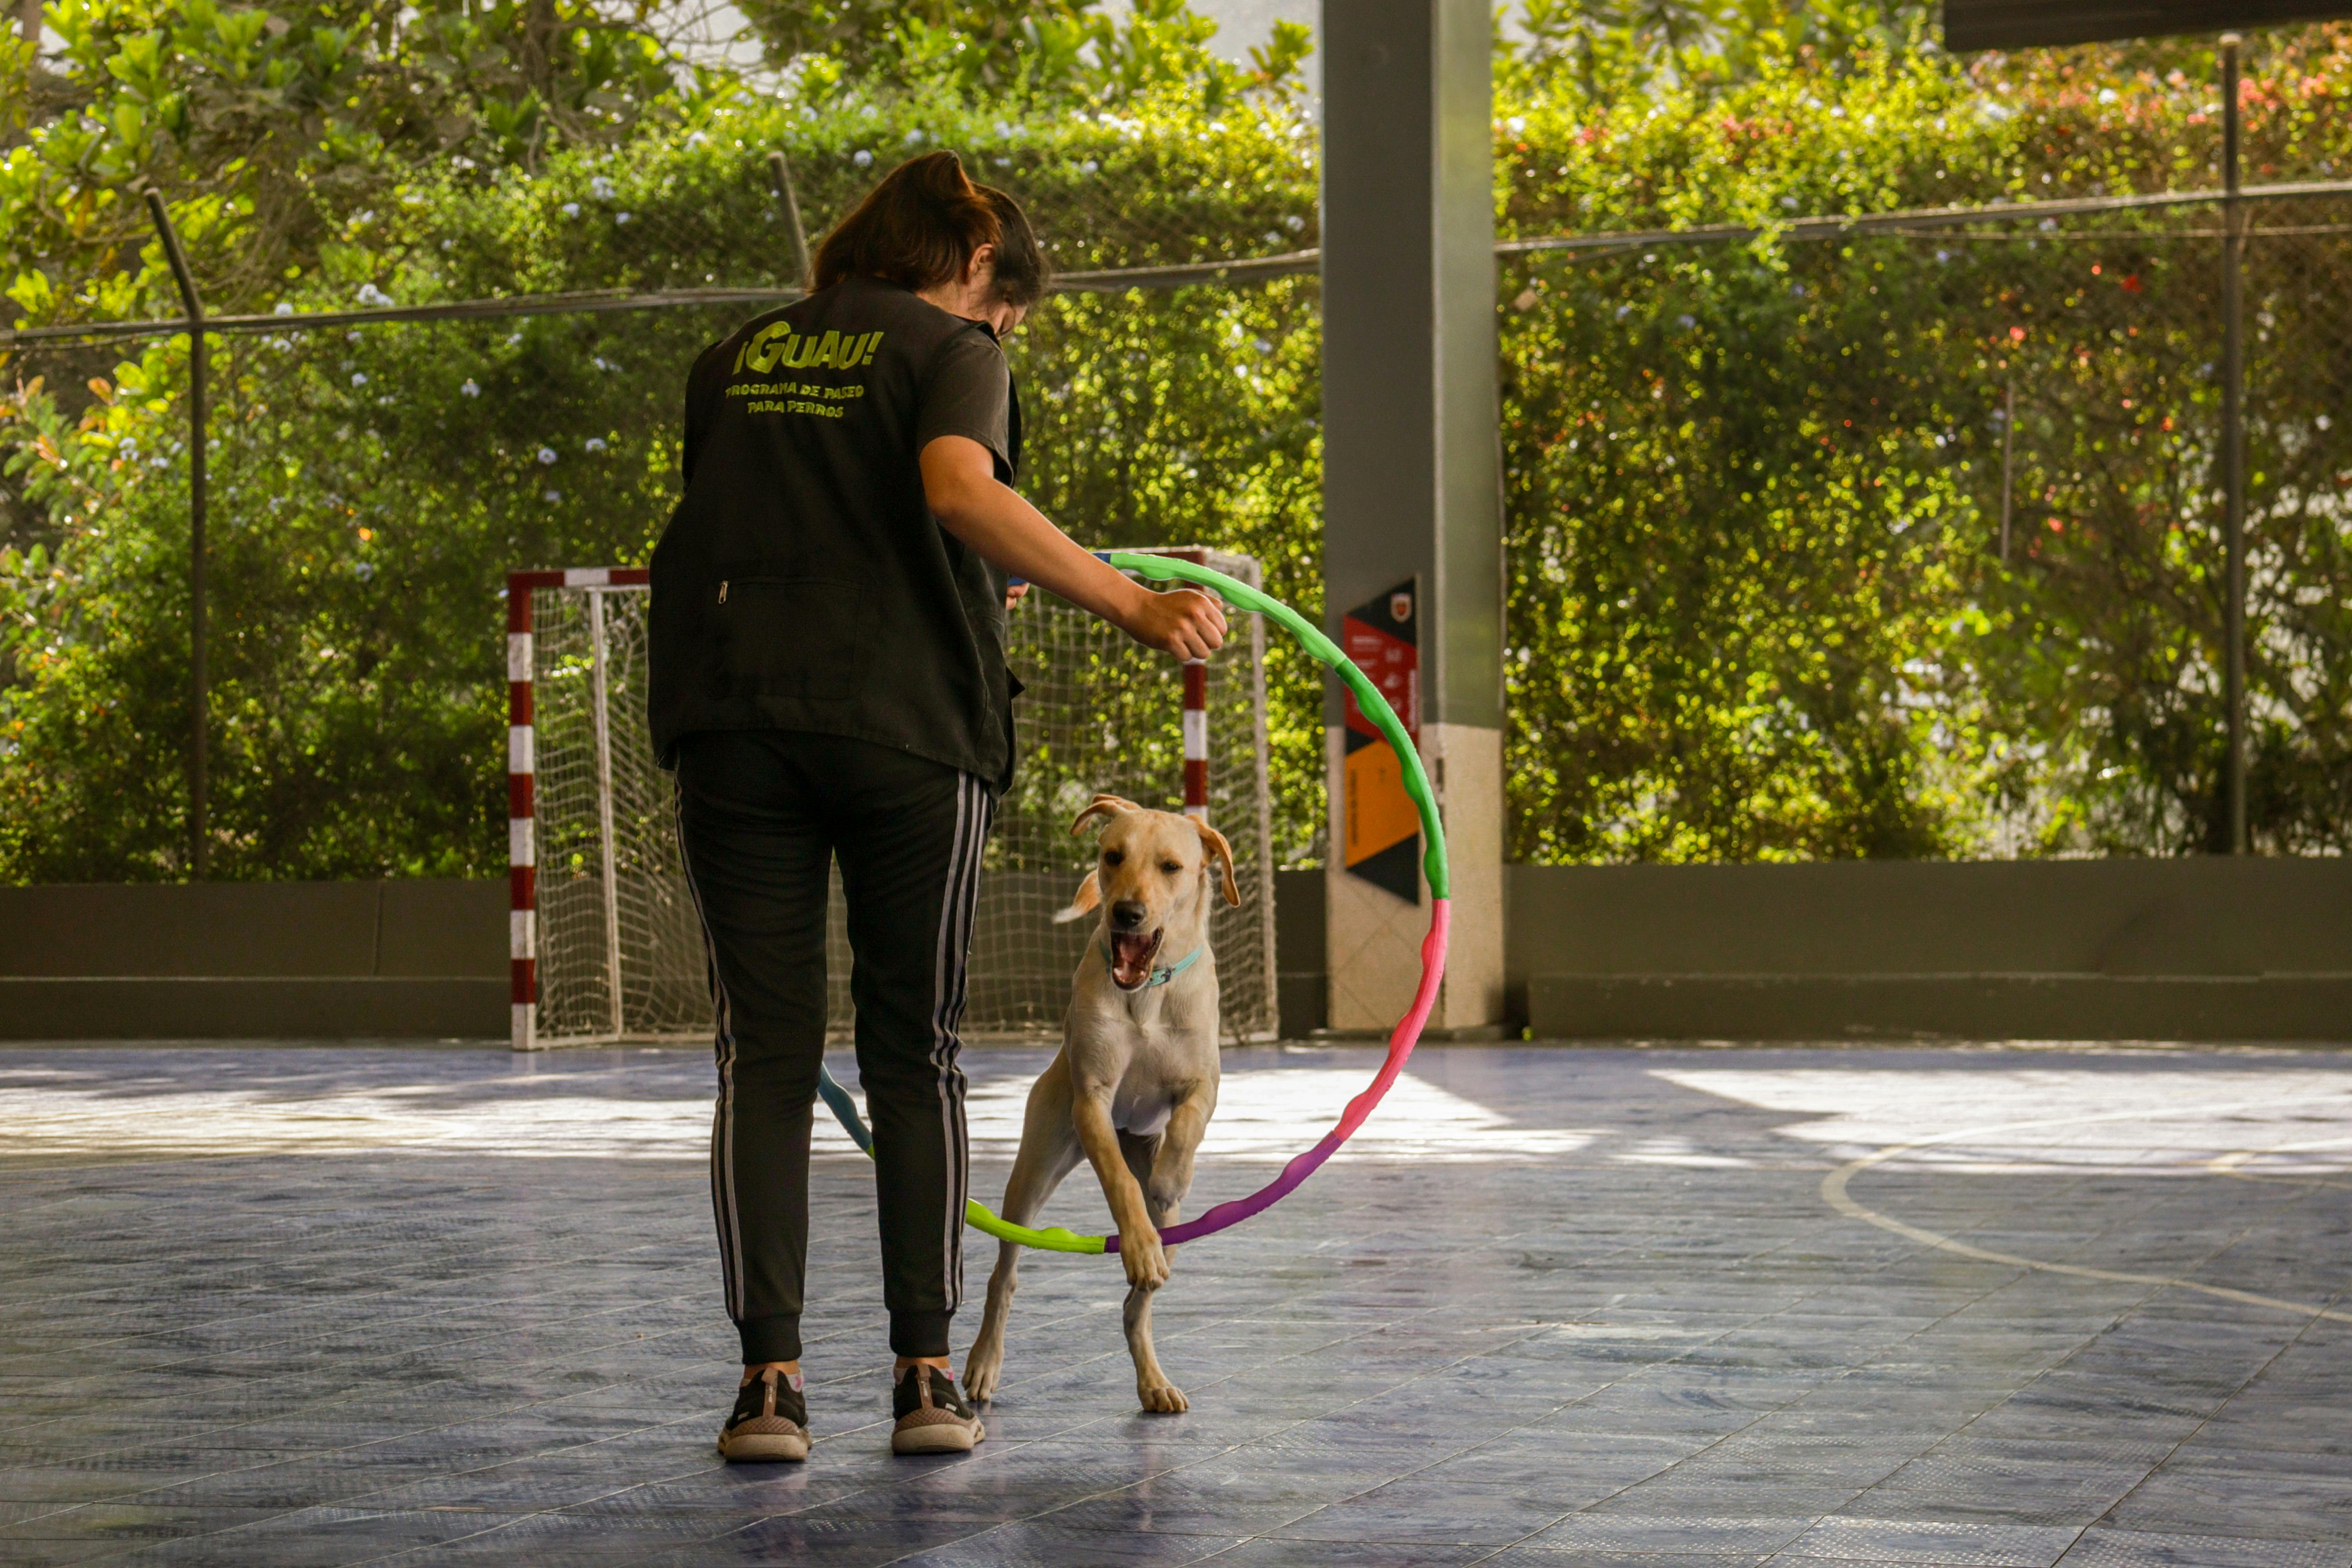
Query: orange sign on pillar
[{"x": 1380, "y": 830}]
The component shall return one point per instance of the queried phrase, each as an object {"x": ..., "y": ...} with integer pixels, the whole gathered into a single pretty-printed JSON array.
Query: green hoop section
[
  {"x": 1164, "y": 568},
  {"x": 1322, "y": 648}
]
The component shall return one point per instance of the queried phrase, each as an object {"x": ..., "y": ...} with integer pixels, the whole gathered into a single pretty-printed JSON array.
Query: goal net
[{"x": 606, "y": 944}]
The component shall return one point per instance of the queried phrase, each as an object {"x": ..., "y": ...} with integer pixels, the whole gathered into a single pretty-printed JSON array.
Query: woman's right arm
[{"x": 961, "y": 485}]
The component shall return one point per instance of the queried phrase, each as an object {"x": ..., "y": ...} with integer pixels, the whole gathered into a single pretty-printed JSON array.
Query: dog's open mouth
[{"x": 1131, "y": 958}]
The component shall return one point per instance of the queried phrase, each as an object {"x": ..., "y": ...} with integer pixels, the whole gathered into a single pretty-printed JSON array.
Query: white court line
[
  {"x": 2228, "y": 1164},
  {"x": 1833, "y": 1192}
]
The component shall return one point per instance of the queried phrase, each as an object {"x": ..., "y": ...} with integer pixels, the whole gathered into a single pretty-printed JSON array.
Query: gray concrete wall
[
  {"x": 2202, "y": 948},
  {"x": 1300, "y": 985},
  {"x": 2207, "y": 915},
  {"x": 2190, "y": 949},
  {"x": 254, "y": 959},
  {"x": 2187, "y": 949}
]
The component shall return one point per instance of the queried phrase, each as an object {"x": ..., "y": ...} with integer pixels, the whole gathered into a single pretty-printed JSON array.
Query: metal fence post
[
  {"x": 607, "y": 842},
  {"x": 779, "y": 174},
  {"x": 2008, "y": 461},
  {"x": 2233, "y": 445},
  {"x": 199, "y": 689}
]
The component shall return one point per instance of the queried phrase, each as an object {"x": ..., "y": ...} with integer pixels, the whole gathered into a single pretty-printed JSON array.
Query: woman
[{"x": 828, "y": 681}]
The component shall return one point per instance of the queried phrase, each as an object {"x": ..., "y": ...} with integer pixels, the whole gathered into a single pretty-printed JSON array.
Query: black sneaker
[
  {"x": 770, "y": 1422},
  {"x": 933, "y": 1415}
]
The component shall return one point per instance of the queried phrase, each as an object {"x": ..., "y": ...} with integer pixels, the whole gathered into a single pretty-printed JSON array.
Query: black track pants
[{"x": 762, "y": 815}]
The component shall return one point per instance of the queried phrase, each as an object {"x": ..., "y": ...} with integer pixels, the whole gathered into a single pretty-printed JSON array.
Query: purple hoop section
[{"x": 1401, "y": 1044}]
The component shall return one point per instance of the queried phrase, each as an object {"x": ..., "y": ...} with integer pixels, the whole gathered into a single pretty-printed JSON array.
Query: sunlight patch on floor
[
  {"x": 1274, "y": 1114},
  {"x": 2251, "y": 1121},
  {"x": 1264, "y": 1115}
]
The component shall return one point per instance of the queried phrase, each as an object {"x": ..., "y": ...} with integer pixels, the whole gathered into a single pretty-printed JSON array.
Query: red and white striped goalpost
[
  {"x": 1196, "y": 718},
  {"x": 522, "y": 774},
  {"x": 1196, "y": 701}
]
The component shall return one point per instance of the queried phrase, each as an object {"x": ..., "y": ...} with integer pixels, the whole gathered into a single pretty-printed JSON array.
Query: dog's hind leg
[{"x": 1049, "y": 1152}]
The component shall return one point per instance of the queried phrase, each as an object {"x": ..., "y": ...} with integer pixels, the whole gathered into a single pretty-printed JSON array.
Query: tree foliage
[
  {"x": 265, "y": 126},
  {"x": 1605, "y": 49},
  {"x": 1022, "y": 55}
]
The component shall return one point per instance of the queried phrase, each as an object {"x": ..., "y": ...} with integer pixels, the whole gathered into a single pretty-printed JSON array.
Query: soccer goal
[{"x": 606, "y": 942}]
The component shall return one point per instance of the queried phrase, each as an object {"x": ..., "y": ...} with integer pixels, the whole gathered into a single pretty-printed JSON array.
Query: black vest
[{"x": 802, "y": 583}]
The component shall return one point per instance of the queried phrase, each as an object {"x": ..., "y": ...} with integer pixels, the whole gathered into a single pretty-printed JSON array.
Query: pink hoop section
[{"x": 1401, "y": 1043}]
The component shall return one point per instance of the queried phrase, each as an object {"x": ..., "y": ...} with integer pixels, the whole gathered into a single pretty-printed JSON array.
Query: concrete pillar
[{"x": 1412, "y": 487}]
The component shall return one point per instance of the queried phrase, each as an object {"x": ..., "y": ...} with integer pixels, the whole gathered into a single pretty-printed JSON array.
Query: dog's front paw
[
  {"x": 1146, "y": 1259},
  {"x": 980, "y": 1371},
  {"x": 1165, "y": 1399}
]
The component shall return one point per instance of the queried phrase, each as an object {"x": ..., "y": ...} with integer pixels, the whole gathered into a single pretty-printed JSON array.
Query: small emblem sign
[{"x": 1380, "y": 826}]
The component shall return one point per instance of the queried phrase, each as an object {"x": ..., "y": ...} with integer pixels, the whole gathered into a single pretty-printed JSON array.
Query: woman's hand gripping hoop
[{"x": 1408, "y": 1030}]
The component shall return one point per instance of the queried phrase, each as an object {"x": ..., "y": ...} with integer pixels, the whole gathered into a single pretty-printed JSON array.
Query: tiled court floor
[{"x": 1669, "y": 1308}]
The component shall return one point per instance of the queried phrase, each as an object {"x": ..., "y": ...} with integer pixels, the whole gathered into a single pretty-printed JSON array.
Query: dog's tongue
[{"x": 1131, "y": 958}]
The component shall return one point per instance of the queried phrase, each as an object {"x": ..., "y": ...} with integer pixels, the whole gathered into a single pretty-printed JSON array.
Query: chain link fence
[{"x": 1907, "y": 537}]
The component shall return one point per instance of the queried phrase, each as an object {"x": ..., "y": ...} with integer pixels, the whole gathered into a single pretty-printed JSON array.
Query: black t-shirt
[
  {"x": 802, "y": 583},
  {"x": 970, "y": 394}
]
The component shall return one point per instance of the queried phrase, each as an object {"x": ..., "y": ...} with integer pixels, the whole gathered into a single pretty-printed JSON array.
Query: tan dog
[{"x": 1136, "y": 1081}]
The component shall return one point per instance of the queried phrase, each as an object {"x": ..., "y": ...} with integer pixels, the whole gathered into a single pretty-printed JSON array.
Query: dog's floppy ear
[
  {"x": 1104, "y": 806},
  {"x": 1088, "y": 895},
  {"x": 1214, "y": 843}
]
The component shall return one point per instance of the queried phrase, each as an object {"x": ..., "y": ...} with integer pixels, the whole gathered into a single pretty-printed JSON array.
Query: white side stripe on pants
[
  {"x": 959, "y": 902},
  {"x": 723, "y": 1122}
]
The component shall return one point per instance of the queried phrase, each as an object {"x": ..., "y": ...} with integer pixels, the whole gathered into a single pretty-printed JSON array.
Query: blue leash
[{"x": 845, "y": 1109}]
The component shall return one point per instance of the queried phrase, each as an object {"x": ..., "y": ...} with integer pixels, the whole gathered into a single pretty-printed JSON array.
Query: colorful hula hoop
[{"x": 1408, "y": 1030}]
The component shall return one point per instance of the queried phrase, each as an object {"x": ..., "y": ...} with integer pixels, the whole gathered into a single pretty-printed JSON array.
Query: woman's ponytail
[{"x": 919, "y": 226}]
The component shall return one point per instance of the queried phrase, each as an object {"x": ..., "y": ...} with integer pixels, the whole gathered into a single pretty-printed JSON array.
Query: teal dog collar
[{"x": 1158, "y": 977}]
